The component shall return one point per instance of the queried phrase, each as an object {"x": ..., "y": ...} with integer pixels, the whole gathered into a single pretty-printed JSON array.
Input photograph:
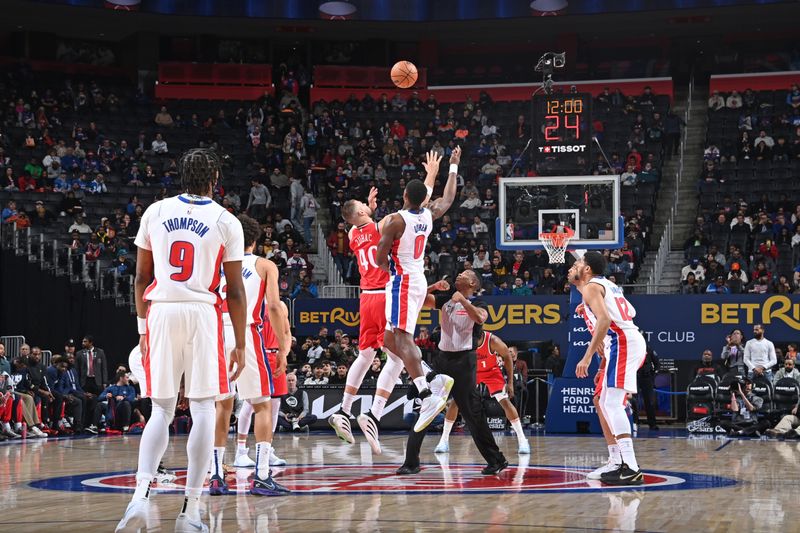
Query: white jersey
[
  {"x": 190, "y": 237},
  {"x": 408, "y": 252},
  {"x": 619, "y": 309},
  {"x": 255, "y": 288}
]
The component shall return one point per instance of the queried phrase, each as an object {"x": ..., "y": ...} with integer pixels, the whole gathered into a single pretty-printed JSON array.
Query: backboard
[{"x": 587, "y": 204}]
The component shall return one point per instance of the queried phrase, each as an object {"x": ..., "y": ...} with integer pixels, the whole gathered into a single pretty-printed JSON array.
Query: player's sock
[
  {"x": 191, "y": 507},
  {"x": 217, "y": 460},
  {"x": 263, "y": 450},
  {"x": 355, "y": 375},
  {"x": 448, "y": 427},
  {"x": 153, "y": 444},
  {"x": 241, "y": 447},
  {"x": 517, "y": 425},
  {"x": 378, "y": 404},
  {"x": 199, "y": 445},
  {"x": 614, "y": 455},
  {"x": 421, "y": 383},
  {"x": 626, "y": 450},
  {"x": 276, "y": 408}
]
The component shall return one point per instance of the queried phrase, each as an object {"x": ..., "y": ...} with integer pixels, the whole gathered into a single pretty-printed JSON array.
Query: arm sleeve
[
  {"x": 143, "y": 235},
  {"x": 233, "y": 237}
]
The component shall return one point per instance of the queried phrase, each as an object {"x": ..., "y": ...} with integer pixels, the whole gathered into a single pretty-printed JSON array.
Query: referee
[{"x": 460, "y": 322}]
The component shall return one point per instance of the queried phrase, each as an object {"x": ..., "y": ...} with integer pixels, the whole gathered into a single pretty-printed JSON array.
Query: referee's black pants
[{"x": 460, "y": 366}]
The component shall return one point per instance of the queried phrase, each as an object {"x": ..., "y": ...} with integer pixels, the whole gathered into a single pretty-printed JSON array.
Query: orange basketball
[{"x": 404, "y": 74}]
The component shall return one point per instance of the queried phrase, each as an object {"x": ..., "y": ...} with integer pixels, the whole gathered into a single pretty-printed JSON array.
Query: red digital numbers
[
  {"x": 181, "y": 255},
  {"x": 553, "y": 124}
]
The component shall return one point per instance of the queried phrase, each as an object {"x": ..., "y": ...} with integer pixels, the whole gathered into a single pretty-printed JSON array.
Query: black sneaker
[
  {"x": 495, "y": 468},
  {"x": 406, "y": 470},
  {"x": 623, "y": 475},
  {"x": 92, "y": 429}
]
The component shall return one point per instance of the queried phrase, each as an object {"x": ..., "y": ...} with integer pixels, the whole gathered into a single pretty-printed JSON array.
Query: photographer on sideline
[{"x": 744, "y": 407}]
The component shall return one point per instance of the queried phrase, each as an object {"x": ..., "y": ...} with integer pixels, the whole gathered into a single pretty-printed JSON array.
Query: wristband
[
  {"x": 453, "y": 168},
  {"x": 430, "y": 191},
  {"x": 141, "y": 325}
]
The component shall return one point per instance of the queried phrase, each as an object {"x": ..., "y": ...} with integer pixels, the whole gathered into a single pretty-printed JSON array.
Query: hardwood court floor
[{"x": 354, "y": 491}]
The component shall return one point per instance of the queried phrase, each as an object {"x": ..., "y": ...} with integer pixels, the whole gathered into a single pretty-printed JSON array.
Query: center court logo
[{"x": 381, "y": 479}]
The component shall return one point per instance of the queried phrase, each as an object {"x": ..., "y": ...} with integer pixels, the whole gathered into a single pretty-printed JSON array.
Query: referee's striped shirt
[{"x": 459, "y": 332}]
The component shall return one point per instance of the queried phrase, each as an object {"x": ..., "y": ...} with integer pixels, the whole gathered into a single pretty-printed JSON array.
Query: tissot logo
[{"x": 562, "y": 148}]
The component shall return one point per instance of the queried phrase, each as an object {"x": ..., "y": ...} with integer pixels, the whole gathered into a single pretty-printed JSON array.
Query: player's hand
[
  {"x": 441, "y": 285},
  {"x": 455, "y": 156},
  {"x": 510, "y": 391},
  {"x": 431, "y": 163},
  {"x": 237, "y": 361},
  {"x": 582, "y": 370},
  {"x": 281, "y": 368},
  {"x": 372, "y": 199},
  {"x": 143, "y": 344},
  {"x": 580, "y": 309},
  {"x": 458, "y": 298}
]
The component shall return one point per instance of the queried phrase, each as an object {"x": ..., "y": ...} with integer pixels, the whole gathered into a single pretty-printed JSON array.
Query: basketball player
[
  {"x": 615, "y": 335},
  {"x": 182, "y": 243},
  {"x": 255, "y": 382},
  {"x": 279, "y": 390},
  {"x": 364, "y": 236},
  {"x": 489, "y": 374},
  {"x": 401, "y": 252}
]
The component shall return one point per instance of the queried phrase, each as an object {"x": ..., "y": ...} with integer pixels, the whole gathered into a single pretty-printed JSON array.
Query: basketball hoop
[{"x": 556, "y": 244}]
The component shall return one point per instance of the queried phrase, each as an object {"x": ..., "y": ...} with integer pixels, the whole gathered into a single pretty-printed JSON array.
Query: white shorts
[
  {"x": 255, "y": 381},
  {"x": 625, "y": 354},
  {"x": 405, "y": 296},
  {"x": 135, "y": 364},
  {"x": 185, "y": 339}
]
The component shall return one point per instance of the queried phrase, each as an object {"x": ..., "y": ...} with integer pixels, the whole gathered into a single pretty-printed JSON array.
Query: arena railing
[
  {"x": 665, "y": 244},
  {"x": 47, "y": 356},
  {"x": 340, "y": 291},
  {"x": 332, "y": 274},
  {"x": 12, "y": 343}
]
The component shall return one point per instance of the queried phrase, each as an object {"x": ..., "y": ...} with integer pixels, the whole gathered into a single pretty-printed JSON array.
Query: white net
[{"x": 556, "y": 245}]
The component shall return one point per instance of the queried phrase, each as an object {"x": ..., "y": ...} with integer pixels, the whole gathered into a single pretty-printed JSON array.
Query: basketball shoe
[
  {"x": 435, "y": 402},
  {"x": 274, "y": 460},
  {"x": 184, "y": 524},
  {"x": 610, "y": 466},
  {"x": 369, "y": 425},
  {"x": 267, "y": 487},
  {"x": 135, "y": 517},
  {"x": 243, "y": 460},
  {"x": 623, "y": 475},
  {"x": 217, "y": 486},
  {"x": 340, "y": 422}
]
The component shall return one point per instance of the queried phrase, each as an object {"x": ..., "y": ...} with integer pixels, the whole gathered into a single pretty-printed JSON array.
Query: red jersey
[
  {"x": 487, "y": 360},
  {"x": 364, "y": 243}
]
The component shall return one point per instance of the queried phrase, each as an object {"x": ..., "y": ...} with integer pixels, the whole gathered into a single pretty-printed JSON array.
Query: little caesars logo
[{"x": 773, "y": 308}]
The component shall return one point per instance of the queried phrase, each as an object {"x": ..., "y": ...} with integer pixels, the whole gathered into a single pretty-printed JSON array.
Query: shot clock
[{"x": 562, "y": 133}]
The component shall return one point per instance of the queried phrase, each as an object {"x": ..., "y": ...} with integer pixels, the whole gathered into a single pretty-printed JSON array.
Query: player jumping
[
  {"x": 255, "y": 382},
  {"x": 364, "y": 237},
  {"x": 489, "y": 374},
  {"x": 183, "y": 241},
  {"x": 617, "y": 337}
]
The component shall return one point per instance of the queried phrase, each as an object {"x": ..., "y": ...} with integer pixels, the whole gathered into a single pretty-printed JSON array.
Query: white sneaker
[
  {"x": 369, "y": 426},
  {"x": 184, "y": 524},
  {"x": 524, "y": 448},
  {"x": 274, "y": 460},
  {"x": 135, "y": 517},
  {"x": 341, "y": 425},
  {"x": 38, "y": 433},
  {"x": 243, "y": 460},
  {"x": 435, "y": 403},
  {"x": 610, "y": 466},
  {"x": 442, "y": 447}
]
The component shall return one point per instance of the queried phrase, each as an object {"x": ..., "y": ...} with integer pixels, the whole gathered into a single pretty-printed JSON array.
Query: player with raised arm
[
  {"x": 401, "y": 251},
  {"x": 364, "y": 237},
  {"x": 489, "y": 374},
  {"x": 617, "y": 337},
  {"x": 182, "y": 243},
  {"x": 255, "y": 382}
]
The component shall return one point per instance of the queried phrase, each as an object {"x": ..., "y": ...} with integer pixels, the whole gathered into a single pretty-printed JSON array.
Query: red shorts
[
  {"x": 279, "y": 386},
  {"x": 493, "y": 379},
  {"x": 372, "y": 310}
]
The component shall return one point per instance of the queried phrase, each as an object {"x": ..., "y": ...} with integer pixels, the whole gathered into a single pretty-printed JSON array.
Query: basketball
[{"x": 404, "y": 74}]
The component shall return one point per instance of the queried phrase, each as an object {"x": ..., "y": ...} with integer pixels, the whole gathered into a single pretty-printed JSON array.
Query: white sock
[
  {"x": 199, "y": 446},
  {"x": 355, "y": 376},
  {"x": 263, "y": 450},
  {"x": 241, "y": 447},
  {"x": 613, "y": 454},
  {"x": 378, "y": 404},
  {"x": 347, "y": 402},
  {"x": 153, "y": 443},
  {"x": 448, "y": 427},
  {"x": 517, "y": 425},
  {"x": 276, "y": 408},
  {"x": 626, "y": 450},
  {"x": 217, "y": 459},
  {"x": 421, "y": 383},
  {"x": 191, "y": 507}
]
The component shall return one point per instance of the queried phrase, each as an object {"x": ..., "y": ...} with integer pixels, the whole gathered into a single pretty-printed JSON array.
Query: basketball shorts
[
  {"x": 624, "y": 356},
  {"x": 279, "y": 386},
  {"x": 135, "y": 364},
  {"x": 494, "y": 381},
  {"x": 255, "y": 380},
  {"x": 405, "y": 295},
  {"x": 185, "y": 339},
  {"x": 372, "y": 312}
]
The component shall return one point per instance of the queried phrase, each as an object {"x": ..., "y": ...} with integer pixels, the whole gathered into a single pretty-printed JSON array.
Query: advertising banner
[{"x": 325, "y": 400}]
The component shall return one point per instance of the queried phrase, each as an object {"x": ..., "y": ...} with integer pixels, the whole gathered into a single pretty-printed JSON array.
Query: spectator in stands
[
  {"x": 711, "y": 153},
  {"x": 294, "y": 410},
  {"x": 5, "y": 366},
  {"x": 744, "y": 420},
  {"x": 259, "y": 200},
  {"x": 374, "y": 369},
  {"x": 759, "y": 354},
  {"x": 308, "y": 207},
  {"x": 793, "y": 97},
  {"x": 163, "y": 118},
  {"x": 735, "y": 282},
  {"x": 690, "y": 285},
  {"x": 520, "y": 288},
  {"x": 694, "y": 267},
  {"x": 120, "y": 398},
  {"x": 554, "y": 363},
  {"x": 317, "y": 376},
  {"x": 788, "y": 371},
  {"x": 706, "y": 365},
  {"x": 791, "y": 351},
  {"x": 762, "y": 146},
  {"x": 305, "y": 289},
  {"x": 520, "y": 366},
  {"x": 733, "y": 352},
  {"x": 734, "y": 100},
  {"x": 80, "y": 225},
  {"x": 715, "y": 101},
  {"x": 718, "y": 286},
  {"x": 159, "y": 145}
]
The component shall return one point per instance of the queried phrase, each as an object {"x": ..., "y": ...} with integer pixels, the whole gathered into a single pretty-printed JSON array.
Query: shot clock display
[{"x": 562, "y": 133}]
